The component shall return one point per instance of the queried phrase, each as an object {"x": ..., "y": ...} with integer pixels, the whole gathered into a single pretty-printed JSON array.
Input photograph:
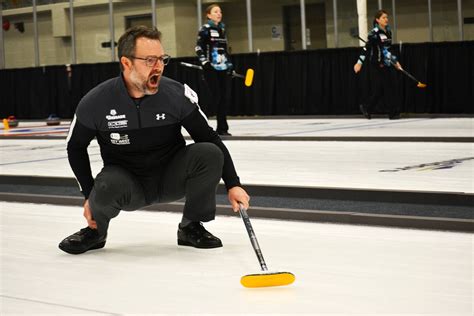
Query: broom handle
[
  {"x": 253, "y": 238},
  {"x": 401, "y": 69},
  {"x": 408, "y": 74},
  {"x": 234, "y": 74},
  {"x": 190, "y": 65}
]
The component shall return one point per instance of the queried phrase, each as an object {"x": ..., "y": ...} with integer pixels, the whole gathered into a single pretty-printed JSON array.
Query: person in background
[
  {"x": 211, "y": 49},
  {"x": 137, "y": 119},
  {"x": 382, "y": 61}
]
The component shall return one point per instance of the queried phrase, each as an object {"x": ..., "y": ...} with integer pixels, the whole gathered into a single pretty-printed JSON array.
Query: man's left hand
[{"x": 238, "y": 195}]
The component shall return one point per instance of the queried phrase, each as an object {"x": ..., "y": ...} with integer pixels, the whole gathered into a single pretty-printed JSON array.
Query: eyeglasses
[{"x": 151, "y": 61}]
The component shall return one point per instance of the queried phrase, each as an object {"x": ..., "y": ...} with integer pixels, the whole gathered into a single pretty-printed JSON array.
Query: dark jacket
[
  {"x": 211, "y": 46},
  {"x": 141, "y": 136},
  {"x": 377, "y": 48}
]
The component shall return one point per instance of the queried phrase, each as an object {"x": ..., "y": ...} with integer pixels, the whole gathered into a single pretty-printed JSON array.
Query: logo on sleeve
[
  {"x": 190, "y": 94},
  {"x": 117, "y": 139}
]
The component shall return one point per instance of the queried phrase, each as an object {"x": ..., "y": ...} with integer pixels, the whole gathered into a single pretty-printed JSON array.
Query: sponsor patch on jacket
[
  {"x": 114, "y": 116},
  {"x": 117, "y": 124},
  {"x": 118, "y": 139}
]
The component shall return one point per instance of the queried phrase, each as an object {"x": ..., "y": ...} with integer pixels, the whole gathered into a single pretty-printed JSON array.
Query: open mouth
[{"x": 153, "y": 80}]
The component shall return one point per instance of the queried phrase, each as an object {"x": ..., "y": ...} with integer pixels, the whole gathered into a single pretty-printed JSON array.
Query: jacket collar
[
  {"x": 387, "y": 28},
  {"x": 212, "y": 23}
]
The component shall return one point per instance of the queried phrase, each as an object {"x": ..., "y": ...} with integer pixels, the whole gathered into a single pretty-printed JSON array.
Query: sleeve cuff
[{"x": 231, "y": 184}]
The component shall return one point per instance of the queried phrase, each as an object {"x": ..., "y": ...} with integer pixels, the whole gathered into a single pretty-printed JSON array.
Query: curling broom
[
  {"x": 248, "y": 78},
  {"x": 419, "y": 84},
  {"x": 265, "y": 278}
]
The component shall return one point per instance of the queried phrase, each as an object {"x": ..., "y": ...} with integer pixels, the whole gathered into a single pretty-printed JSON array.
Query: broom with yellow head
[
  {"x": 264, "y": 278},
  {"x": 248, "y": 77}
]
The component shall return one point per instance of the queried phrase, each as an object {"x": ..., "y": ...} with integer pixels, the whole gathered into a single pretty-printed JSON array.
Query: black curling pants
[
  {"x": 193, "y": 173},
  {"x": 219, "y": 83},
  {"x": 384, "y": 87}
]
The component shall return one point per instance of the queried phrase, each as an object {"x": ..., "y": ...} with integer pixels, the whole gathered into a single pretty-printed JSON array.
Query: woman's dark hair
[
  {"x": 209, "y": 8},
  {"x": 126, "y": 43},
  {"x": 378, "y": 14}
]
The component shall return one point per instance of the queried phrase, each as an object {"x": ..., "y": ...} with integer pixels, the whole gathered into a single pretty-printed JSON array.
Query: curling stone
[
  {"x": 12, "y": 121},
  {"x": 53, "y": 120}
]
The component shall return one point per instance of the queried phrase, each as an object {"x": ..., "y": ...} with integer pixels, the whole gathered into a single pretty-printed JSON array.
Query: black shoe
[
  {"x": 363, "y": 109},
  {"x": 82, "y": 241},
  {"x": 224, "y": 133},
  {"x": 195, "y": 235}
]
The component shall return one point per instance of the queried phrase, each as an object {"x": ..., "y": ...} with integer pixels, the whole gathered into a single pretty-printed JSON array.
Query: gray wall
[{"x": 178, "y": 22}]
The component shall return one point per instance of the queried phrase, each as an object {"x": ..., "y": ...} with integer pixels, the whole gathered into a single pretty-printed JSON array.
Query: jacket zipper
[
  {"x": 137, "y": 105},
  {"x": 139, "y": 118}
]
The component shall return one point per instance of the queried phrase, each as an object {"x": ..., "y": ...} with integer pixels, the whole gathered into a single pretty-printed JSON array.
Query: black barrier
[{"x": 315, "y": 82}]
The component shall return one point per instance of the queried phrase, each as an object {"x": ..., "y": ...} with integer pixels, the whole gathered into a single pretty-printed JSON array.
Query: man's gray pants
[{"x": 193, "y": 173}]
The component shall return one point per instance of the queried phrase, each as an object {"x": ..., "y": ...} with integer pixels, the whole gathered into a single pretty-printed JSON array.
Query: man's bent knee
[
  {"x": 112, "y": 185},
  {"x": 209, "y": 153}
]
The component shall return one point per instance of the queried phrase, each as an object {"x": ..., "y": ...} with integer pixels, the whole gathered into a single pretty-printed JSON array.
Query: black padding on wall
[{"x": 317, "y": 82}]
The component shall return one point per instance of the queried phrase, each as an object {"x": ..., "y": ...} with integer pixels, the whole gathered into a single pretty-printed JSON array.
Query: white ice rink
[
  {"x": 290, "y": 163},
  {"x": 340, "y": 269}
]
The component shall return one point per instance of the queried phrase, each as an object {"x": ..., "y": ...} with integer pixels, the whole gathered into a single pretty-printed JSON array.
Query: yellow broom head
[
  {"x": 421, "y": 85},
  {"x": 249, "y": 77},
  {"x": 265, "y": 279}
]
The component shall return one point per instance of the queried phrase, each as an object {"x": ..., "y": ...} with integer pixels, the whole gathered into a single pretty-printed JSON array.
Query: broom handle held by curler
[
  {"x": 253, "y": 237},
  {"x": 391, "y": 61},
  {"x": 409, "y": 75},
  {"x": 191, "y": 65},
  {"x": 234, "y": 74},
  {"x": 401, "y": 69}
]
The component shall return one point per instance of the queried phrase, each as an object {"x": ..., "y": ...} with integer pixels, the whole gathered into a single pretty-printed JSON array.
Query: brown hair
[
  {"x": 126, "y": 43},
  {"x": 378, "y": 14},
  {"x": 212, "y": 6}
]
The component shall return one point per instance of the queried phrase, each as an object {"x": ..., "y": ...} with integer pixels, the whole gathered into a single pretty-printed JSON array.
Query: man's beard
[{"x": 140, "y": 83}]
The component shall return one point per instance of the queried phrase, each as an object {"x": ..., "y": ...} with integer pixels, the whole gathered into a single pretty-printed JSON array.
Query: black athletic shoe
[
  {"x": 195, "y": 235},
  {"x": 82, "y": 241},
  {"x": 363, "y": 109},
  {"x": 224, "y": 133}
]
